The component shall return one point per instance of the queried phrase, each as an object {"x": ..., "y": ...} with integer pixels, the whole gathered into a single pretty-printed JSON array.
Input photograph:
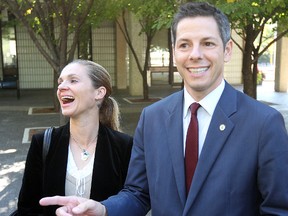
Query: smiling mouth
[
  {"x": 67, "y": 99},
  {"x": 198, "y": 70}
]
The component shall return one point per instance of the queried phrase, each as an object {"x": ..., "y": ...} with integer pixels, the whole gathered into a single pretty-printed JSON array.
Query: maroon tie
[{"x": 191, "y": 151}]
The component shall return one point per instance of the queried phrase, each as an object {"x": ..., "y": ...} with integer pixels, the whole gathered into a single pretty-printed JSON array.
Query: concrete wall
[
  {"x": 281, "y": 69},
  {"x": 103, "y": 48},
  {"x": 34, "y": 70},
  {"x": 36, "y": 73},
  {"x": 232, "y": 70},
  {"x": 135, "y": 78}
]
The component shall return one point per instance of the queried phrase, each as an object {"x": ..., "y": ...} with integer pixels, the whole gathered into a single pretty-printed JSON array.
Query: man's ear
[{"x": 228, "y": 51}]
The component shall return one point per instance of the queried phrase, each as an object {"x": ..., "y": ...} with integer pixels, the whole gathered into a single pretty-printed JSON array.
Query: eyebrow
[
  {"x": 69, "y": 76},
  {"x": 210, "y": 38},
  {"x": 205, "y": 38}
]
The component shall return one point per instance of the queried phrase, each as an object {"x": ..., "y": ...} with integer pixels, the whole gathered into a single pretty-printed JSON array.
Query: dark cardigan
[{"x": 110, "y": 168}]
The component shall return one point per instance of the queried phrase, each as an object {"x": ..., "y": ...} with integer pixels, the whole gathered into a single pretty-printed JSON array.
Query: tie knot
[{"x": 194, "y": 107}]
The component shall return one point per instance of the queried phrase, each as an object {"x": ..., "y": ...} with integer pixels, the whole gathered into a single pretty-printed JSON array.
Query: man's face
[{"x": 199, "y": 55}]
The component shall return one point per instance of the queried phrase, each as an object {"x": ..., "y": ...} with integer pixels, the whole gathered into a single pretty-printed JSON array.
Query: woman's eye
[{"x": 183, "y": 46}]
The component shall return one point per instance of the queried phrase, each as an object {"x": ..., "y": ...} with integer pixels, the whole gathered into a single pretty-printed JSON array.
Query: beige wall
[
  {"x": 232, "y": 70},
  {"x": 135, "y": 78},
  {"x": 103, "y": 48},
  {"x": 281, "y": 69},
  {"x": 122, "y": 79},
  {"x": 34, "y": 71}
]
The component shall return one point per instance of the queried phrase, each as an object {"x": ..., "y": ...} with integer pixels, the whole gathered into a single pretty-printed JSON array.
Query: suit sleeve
[{"x": 273, "y": 166}]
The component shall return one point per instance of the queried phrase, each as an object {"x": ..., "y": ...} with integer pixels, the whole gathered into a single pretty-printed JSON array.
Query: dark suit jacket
[
  {"x": 242, "y": 169},
  {"x": 110, "y": 168}
]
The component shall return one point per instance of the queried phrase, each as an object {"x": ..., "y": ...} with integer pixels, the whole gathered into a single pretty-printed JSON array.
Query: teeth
[
  {"x": 67, "y": 97},
  {"x": 198, "y": 70}
]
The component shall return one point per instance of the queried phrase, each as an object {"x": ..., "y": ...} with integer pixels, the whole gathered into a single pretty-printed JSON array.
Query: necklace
[{"x": 84, "y": 153}]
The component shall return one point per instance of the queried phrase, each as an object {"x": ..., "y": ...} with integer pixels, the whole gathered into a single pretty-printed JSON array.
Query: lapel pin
[{"x": 222, "y": 127}]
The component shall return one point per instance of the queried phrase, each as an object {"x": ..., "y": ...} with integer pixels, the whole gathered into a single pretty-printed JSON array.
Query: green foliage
[
  {"x": 256, "y": 12},
  {"x": 157, "y": 13},
  {"x": 260, "y": 77},
  {"x": 151, "y": 14},
  {"x": 249, "y": 19}
]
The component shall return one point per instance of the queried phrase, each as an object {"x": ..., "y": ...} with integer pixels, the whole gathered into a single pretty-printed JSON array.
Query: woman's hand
[{"x": 72, "y": 206}]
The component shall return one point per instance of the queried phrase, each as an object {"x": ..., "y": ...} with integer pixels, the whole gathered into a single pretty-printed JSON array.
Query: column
[
  {"x": 121, "y": 64},
  {"x": 135, "y": 77},
  {"x": 281, "y": 69}
]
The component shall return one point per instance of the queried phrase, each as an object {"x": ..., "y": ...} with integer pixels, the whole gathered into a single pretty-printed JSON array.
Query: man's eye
[{"x": 209, "y": 44}]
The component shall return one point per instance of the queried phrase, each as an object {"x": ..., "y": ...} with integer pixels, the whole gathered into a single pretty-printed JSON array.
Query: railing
[{"x": 163, "y": 69}]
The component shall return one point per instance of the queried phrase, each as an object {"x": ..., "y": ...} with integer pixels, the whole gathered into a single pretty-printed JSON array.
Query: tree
[
  {"x": 54, "y": 26},
  {"x": 248, "y": 18},
  {"x": 152, "y": 16}
]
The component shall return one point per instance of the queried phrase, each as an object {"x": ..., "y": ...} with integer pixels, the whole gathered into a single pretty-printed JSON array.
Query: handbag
[
  {"x": 14, "y": 213},
  {"x": 46, "y": 145}
]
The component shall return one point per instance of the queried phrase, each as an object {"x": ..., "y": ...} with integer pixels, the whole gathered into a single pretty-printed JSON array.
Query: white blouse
[{"x": 78, "y": 182}]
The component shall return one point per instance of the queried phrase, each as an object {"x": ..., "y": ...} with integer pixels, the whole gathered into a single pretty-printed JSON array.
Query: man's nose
[{"x": 195, "y": 52}]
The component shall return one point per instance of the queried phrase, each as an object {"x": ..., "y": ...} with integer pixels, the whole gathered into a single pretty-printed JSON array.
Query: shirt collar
[{"x": 208, "y": 103}]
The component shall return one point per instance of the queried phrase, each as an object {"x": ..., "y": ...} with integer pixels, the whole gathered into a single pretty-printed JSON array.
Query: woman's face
[{"x": 76, "y": 94}]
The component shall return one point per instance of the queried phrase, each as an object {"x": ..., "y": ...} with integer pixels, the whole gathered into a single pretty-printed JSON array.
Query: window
[{"x": 9, "y": 52}]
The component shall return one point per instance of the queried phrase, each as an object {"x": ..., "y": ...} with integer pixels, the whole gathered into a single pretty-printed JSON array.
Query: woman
[{"x": 88, "y": 156}]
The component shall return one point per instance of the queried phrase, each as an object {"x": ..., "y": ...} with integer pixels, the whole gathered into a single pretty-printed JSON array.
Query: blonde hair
[{"x": 109, "y": 109}]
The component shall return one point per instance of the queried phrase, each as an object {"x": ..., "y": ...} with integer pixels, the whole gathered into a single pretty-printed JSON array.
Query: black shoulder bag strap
[
  {"x": 46, "y": 143},
  {"x": 46, "y": 146}
]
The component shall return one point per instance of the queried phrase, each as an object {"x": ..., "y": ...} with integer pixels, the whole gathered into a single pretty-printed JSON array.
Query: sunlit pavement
[{"x": 14, "y": 119}]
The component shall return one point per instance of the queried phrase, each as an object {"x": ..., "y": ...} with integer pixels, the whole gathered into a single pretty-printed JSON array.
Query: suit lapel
[
  {"x": 218, "y": 132},
  {"x": 175, "y": 142}
]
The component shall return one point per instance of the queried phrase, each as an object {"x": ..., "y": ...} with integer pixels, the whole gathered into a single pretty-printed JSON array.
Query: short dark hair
[{"x": 194, "y": 9}]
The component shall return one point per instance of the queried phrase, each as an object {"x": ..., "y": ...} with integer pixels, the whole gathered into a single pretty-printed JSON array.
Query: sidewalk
[{"x": 14, "y": 119}]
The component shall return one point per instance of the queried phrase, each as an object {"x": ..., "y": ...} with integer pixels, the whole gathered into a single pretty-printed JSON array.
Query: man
[{"x": 243, "y": 144}]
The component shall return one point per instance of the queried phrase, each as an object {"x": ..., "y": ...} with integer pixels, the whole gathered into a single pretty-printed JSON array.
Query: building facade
[{"x": 20, "y": 57}]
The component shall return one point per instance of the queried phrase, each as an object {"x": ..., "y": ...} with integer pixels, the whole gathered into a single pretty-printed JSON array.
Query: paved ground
[{"x": 14, "y": 119}]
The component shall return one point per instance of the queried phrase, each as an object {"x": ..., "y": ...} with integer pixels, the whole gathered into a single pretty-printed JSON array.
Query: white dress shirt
[{"x": 204, "y": 113}]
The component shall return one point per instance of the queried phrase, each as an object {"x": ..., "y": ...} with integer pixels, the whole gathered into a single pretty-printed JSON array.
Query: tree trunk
[
  {"x": 145, "y": 68},
  {"x": 247, "y": 75},
  {"x": 254, "y": 84},
  {"x": 249, "y": 87}
]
